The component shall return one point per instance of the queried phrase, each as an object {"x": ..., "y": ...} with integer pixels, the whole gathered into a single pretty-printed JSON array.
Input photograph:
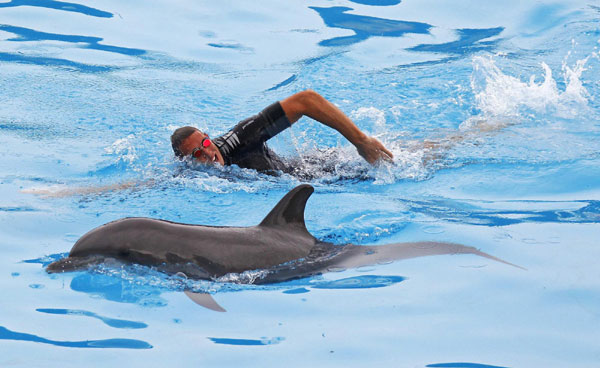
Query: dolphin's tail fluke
[
  {"x": 357, "y": 256},
  {"x": 325, "y": 257}
]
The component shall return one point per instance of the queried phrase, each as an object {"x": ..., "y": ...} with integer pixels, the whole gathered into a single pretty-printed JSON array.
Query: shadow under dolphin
[{"x": 280, "y": 247}]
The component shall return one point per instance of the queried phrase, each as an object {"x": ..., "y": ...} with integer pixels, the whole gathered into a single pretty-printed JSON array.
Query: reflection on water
[
  {"x": 356, "y": 282},
  {"x": 6, "y": 334},
  {"x": 518, "y": 212},
  {"x": 84, "y": 42},
  {"x": 463, "y": 365},
  {"x": 364, "y": 26},
  {"x": 59, "y": 5},
  {"x": 377, "y": 2},
  {"x": 47, "y": 61},
  {"x": 247, "y": 342},
  {"x": 112, "y": 322},
  {"x": 296, "y": 291},
  {"x": 231, "y": 45},
  {"x": 118, "y": 290},
  {"x": 46, "y": 260},
  {"x": 283, "y": 83},
  {"x": 27, "y": 34},
  {"x": 467, "y": 43},
  {"x": 359, "y": 282}
]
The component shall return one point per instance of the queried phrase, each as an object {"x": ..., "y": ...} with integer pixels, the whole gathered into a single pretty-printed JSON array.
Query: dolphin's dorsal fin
[{"x": 290, "y": 209}]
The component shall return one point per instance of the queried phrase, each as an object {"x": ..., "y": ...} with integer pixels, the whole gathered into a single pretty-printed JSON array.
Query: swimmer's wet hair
[{"x": 180, "y": 135}]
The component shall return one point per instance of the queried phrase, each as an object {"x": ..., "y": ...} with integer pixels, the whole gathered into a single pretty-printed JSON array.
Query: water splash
[
  {"x": 246, "y": 277},
  {"x": 501, "y": 95},
  {"x": 124, "y": 149},
  {"x": 375, "y": 115}
]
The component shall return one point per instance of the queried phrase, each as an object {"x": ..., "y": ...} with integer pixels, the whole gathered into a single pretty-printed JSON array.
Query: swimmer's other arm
[
  {"x": 310, "y": 103},
  {"x": 59, "y": 192}
]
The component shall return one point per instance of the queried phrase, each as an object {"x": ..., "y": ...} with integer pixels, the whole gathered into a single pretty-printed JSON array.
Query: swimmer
[{"x": 245, "y": 144}]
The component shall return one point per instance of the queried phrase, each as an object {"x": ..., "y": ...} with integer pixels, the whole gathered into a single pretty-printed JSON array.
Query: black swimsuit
[{"x": 245, "y": 146}]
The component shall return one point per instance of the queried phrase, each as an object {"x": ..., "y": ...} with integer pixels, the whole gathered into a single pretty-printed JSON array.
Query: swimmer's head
[{"x": 186, "y": 140}]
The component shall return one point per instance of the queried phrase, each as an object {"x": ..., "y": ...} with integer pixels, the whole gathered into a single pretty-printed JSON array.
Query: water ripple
[
  {"x": 462, "y": 365},
  {"x": 59, "y": 5},
  {"x": 364, "y": 27},
  {"x": 247, "y": 342},
  {"x": 474, "y": 213},
  {"x": 112, "y": 322},
  {"x": 469, "y": 42},
  {"x": 6, "y": 334},
  {"x": 27, "y": 34}
]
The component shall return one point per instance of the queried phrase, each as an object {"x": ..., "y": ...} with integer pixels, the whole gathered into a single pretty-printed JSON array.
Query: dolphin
[{"x": 280, "y": 247}]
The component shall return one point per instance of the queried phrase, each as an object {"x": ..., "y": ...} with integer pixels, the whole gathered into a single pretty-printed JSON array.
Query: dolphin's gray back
[
  {"x": 218, "y": 250},
  {"x": 281, "y": 237}
]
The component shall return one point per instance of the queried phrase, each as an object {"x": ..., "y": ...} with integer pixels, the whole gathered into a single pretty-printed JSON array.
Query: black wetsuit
[{"x": 245, "y": 146}]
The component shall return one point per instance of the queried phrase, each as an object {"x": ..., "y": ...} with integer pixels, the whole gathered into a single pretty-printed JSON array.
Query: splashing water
[
  {"x": 503, "y": 96},
  {"x": 123, "y": 148}
]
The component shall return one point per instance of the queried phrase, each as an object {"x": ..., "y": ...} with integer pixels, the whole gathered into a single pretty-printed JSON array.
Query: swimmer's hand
[{"x": 373, "y": 151}]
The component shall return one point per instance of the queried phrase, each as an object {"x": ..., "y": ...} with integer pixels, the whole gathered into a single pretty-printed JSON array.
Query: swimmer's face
[{"x": 208, "y": 155}]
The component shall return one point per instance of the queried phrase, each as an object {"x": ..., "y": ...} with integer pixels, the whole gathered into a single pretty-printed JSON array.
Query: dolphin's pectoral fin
[
  {"x": 290, "y": 209},
  {"x": 205, "y": 300}
]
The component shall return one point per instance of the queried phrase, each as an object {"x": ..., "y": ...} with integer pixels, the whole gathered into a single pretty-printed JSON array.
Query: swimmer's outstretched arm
[
  {"x": 58, "y": 192},
  {"x": 476, "y": 130},
  {"x": 310, "y": 103}
]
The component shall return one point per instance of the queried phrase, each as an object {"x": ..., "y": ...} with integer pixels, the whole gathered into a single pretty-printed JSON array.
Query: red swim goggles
[{"x": 197, "y": 152}]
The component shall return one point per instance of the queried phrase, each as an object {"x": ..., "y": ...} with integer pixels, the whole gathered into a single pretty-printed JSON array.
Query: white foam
[
  {"x": 124, "y": 148},
  {"x": 500, "y": 95},
  {"x": 246, "y": 277},
  {"x": 377, "y": 116}
]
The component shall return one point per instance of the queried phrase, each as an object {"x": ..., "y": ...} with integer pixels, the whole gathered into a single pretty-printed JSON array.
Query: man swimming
[{"x": 245, "y": 144}]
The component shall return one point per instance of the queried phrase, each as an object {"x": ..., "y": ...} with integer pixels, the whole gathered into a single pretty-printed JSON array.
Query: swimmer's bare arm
[
  {"x": 310, "y": 103},
  {"x": 475, "y": 130},
  {"x": 59, "y": 192}
]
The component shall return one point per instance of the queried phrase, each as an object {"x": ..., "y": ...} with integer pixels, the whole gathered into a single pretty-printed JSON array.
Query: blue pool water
[{"x": 509, "y": 92}]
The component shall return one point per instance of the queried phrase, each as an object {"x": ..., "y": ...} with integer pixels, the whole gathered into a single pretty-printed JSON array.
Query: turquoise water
[{"x": 510, "y": 92}]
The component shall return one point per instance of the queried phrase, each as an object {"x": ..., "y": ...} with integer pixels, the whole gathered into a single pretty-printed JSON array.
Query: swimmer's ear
[{"x": 290, "y": 209}]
